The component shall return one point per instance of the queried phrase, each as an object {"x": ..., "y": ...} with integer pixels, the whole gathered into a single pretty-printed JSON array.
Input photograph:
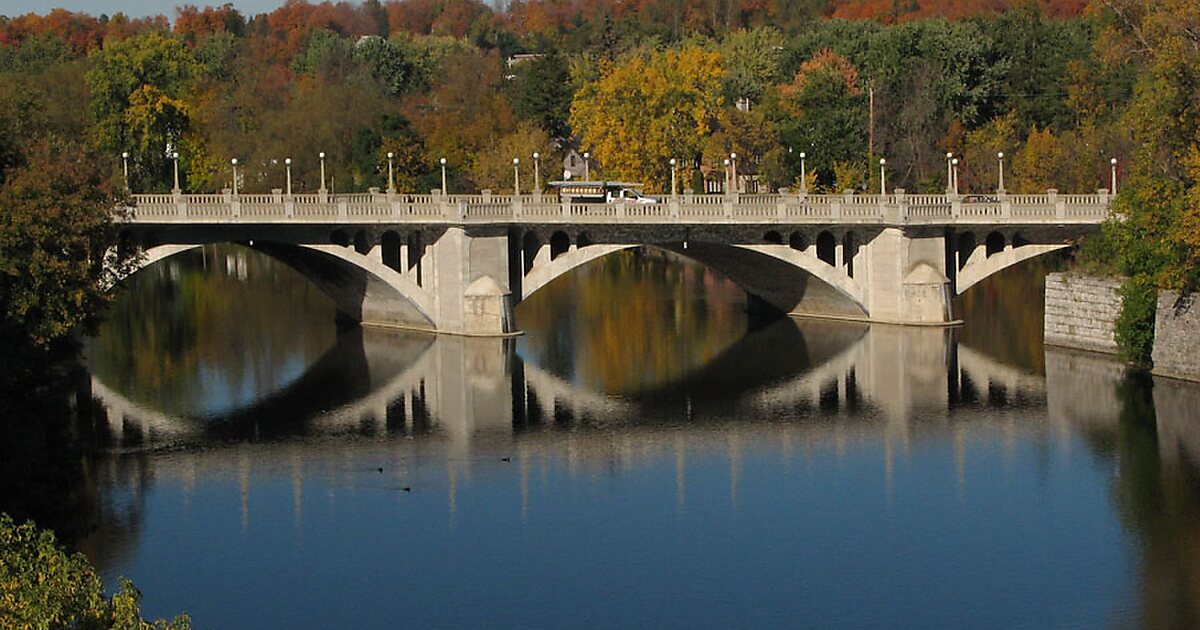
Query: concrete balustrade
[{"x": 374, "y": 207}]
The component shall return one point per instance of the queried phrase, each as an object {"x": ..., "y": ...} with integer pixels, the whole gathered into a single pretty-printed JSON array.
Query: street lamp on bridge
[
  {"x": 391, "y": 178},
  {"x": 516, "y": 176},
  {"x": 1000, "y": 159},
  {"x": 727, "y": 180},
  {"x": 537, "y": 174},
  {"x": 1113, "y": 162},
  {"x": 733, "y": 170},
  {"x": 443, "y": 164},
  {"x": 233, "y": 163},
  {"x": 175, "y": 164},
  {"x": 321, "y": 155},
  {"x": 125, "y": 168},
  {"x": 954, "y": 178},
  {"x": 287, "y": 166},
  {"x": 882, "y": 177},
  {"x": 672, "y": 177},
  {"x": 803, "y": 174},
  {"x": 586, "y": 173}
]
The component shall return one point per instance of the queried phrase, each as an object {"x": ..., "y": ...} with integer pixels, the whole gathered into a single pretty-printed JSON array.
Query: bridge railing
[{"x": 376, "y": 207}]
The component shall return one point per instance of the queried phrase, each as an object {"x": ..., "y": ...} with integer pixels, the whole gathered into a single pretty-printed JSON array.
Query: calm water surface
[{"x": 644, "y": 456}]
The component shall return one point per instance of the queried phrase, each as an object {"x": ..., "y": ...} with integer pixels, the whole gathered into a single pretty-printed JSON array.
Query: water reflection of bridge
[
  {"x": 795, "y": 387},
  {"x": 375, "y": 382}
]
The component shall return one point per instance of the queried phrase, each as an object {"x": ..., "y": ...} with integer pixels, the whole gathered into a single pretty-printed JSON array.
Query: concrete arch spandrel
[
  {"x": 541, "y": 275},
  {"x": 363, "y": 289},
  {"x": 783, "y": 277},
  {"x": 979, "y": 266},
  {"x": 778, "y": 274}
]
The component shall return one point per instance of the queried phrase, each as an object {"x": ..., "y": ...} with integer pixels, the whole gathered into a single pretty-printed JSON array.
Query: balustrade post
[
  {"x": 673, "y": 208},
  {"x": 343, "y": 209},
  {"x": 620, "y": 208},
  {"x": 1005, "y": 206},
  {"x": 181, "y": 209},
  {"x": 565, "y": 206},
  {"x": 900, "y": 208},
  {"x": 727, "y": 206},
  {"x": 955, "y": 206},
  {"x": 517, "y": 207},
  {"x": 835, "y": 207},
  {"x": 1060, "y": 208}
]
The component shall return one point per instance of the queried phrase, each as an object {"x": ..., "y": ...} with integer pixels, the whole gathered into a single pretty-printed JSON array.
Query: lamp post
[
  {"x": 442, "y": 162},
  {"x": 175, "y": 165},
  {"x": 391, "y": 177},
  {"x": 322, "y": 156},
  {"x": 672, "y": 177},
  {"x": 1113, "y": 162},
  {"x": 587, "y": 176},
  {"x": 727, "y": 186},
  {"x": 233, "y": 163},
  {"x": 287, "y": 166},
  {"x": 516, "y": 176},
  {"x": 733, "y": 170},
  {"x": 125, "y": 168},
  {"x": 882, "y": 177},
  {"x": 537, "y": 174},
  {"x": 803, "y": 174},
  {"x": 1000, "y": 160},
  {"x": 954, "y": 178},
  {"x": 949, "y": 174}
]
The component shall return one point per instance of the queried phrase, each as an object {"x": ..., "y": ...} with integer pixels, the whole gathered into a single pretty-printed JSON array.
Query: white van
[{"x": 601, "y": 192}]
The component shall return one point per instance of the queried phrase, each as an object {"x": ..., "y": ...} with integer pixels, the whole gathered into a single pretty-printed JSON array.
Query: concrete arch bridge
[{"x": 459, "y": 263}]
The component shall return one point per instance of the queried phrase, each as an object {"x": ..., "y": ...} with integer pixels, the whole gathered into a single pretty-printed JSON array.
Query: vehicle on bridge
[{"x": 601, "y": 192}]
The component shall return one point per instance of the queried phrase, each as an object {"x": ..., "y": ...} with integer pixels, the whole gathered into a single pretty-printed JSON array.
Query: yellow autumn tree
[{"x": 641, "y": 113}]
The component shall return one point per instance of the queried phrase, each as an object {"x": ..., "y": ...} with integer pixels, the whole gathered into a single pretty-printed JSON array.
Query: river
[{"x": 644, "y": 455}]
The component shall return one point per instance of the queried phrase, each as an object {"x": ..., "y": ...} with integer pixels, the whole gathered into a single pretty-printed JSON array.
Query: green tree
[
  {"x": 827, "y": 115},
  {"x": 139, "y": 104},
  {"x": 56, "y": 242},
  {"x": 540, "y": 90},
  {"x": 42, "y": 586},
  {"x": 751, "y": 59}
]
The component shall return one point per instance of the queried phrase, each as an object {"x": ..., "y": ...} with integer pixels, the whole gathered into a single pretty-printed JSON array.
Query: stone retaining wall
[
  {"x": 1177, "y": 337},
  {"x": 1081, "y": 312}
]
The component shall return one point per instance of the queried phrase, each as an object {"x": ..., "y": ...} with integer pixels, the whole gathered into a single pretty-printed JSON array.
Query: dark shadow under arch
[
  {"x": 389, "y": 245},
  {"x": 827, "y": 248},
  {"x": 560, "y": 243},
  {"x": 798, "y": 242},
  {"x": 966, "y": 246},
  {"x": 995, "y": 243}
]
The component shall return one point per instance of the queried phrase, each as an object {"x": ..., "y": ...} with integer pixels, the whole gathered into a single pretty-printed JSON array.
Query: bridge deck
[{"x": 383, "y": 208}]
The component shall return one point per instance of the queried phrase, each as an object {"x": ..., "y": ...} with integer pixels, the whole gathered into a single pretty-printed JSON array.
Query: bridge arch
[
  {"x": 780, "y": 275},
  {"x": 362, "y": 288},
  {"x": 979, "y": 267}
]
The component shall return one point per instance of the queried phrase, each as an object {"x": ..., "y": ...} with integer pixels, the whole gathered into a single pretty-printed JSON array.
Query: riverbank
[{"x": 1082, "y": 312}]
